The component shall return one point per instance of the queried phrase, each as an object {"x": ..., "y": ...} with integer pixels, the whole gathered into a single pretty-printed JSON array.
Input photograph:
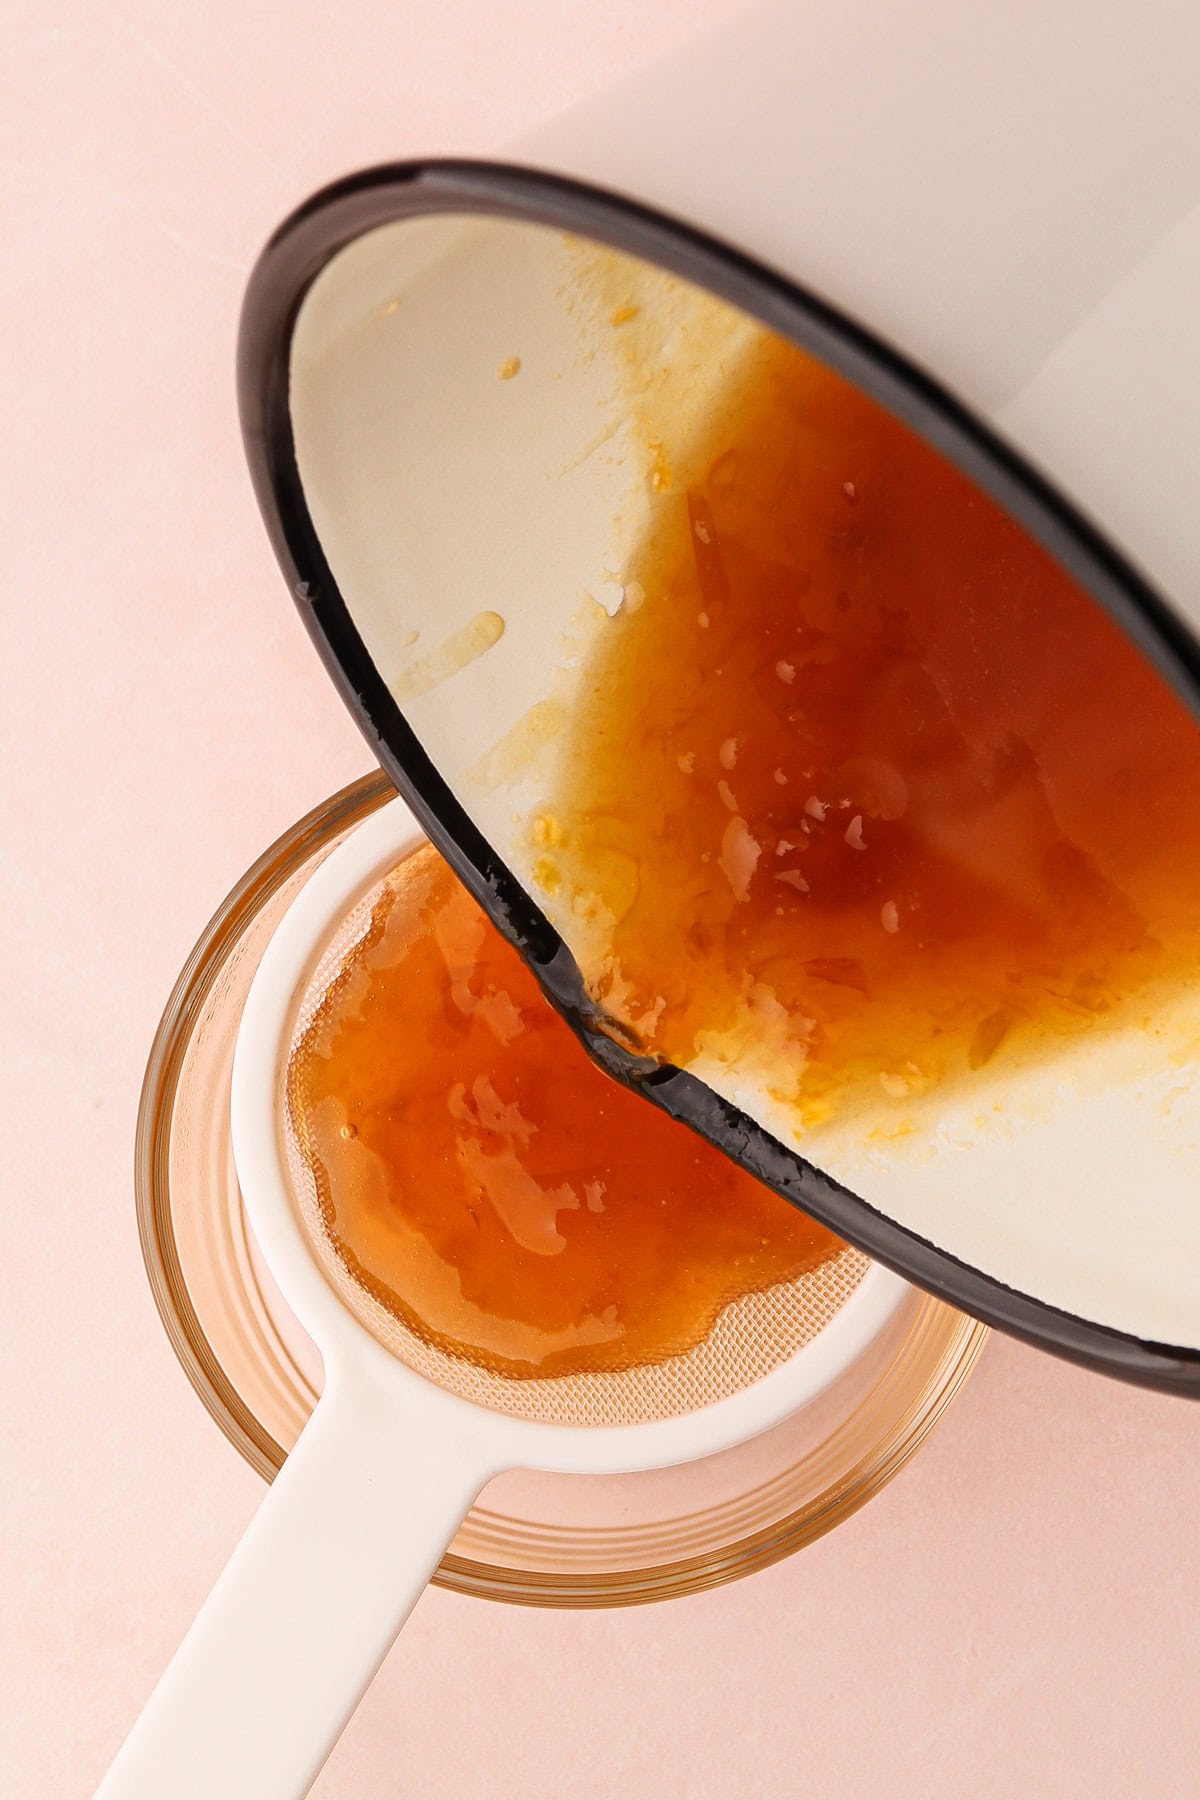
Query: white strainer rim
[{"x": 347, "y": 1347}]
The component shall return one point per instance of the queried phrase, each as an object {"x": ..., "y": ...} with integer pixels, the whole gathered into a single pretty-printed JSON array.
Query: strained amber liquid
[
  {"x": 484, "y": 1180},
  {"x": 866, "y": 794}
]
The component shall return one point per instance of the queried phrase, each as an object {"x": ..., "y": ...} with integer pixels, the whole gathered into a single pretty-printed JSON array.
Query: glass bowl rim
[{"x": 901, "y": 1438}]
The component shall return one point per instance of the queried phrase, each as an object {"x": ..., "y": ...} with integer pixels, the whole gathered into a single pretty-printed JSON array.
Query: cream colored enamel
[
  {"x": 447, "y": 486},
  {"x": 1073, "y": 1179}
]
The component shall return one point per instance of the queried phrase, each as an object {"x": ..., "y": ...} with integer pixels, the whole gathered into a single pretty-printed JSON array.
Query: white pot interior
[{"x": 476, "y": 441}]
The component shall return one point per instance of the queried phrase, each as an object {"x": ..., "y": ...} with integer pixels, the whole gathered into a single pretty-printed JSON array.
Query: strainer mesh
[{"x": 750, "y": 1337}]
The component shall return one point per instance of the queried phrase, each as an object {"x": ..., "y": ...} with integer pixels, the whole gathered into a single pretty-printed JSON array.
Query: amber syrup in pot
[{"x": 861, "y": 780}]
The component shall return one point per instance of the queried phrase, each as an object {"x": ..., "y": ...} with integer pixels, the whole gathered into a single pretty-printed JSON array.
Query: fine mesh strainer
[
  {"x": 406, "y": 1435},
  {"x": 751, "y": 1337}
]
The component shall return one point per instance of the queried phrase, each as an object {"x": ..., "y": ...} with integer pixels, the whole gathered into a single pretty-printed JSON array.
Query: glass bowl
[{"x": 540, "y": 1539}]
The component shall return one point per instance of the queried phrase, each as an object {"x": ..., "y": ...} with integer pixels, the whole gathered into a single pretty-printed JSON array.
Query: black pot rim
[{"x": 294, "y": 257}]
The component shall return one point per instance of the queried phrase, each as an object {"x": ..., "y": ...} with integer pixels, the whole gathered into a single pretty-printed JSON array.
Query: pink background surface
[{"x": 1016, "y": 1615}]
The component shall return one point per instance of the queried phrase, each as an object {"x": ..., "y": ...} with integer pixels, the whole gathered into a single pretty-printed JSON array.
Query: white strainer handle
[{"x": 306, "y": 1608}]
